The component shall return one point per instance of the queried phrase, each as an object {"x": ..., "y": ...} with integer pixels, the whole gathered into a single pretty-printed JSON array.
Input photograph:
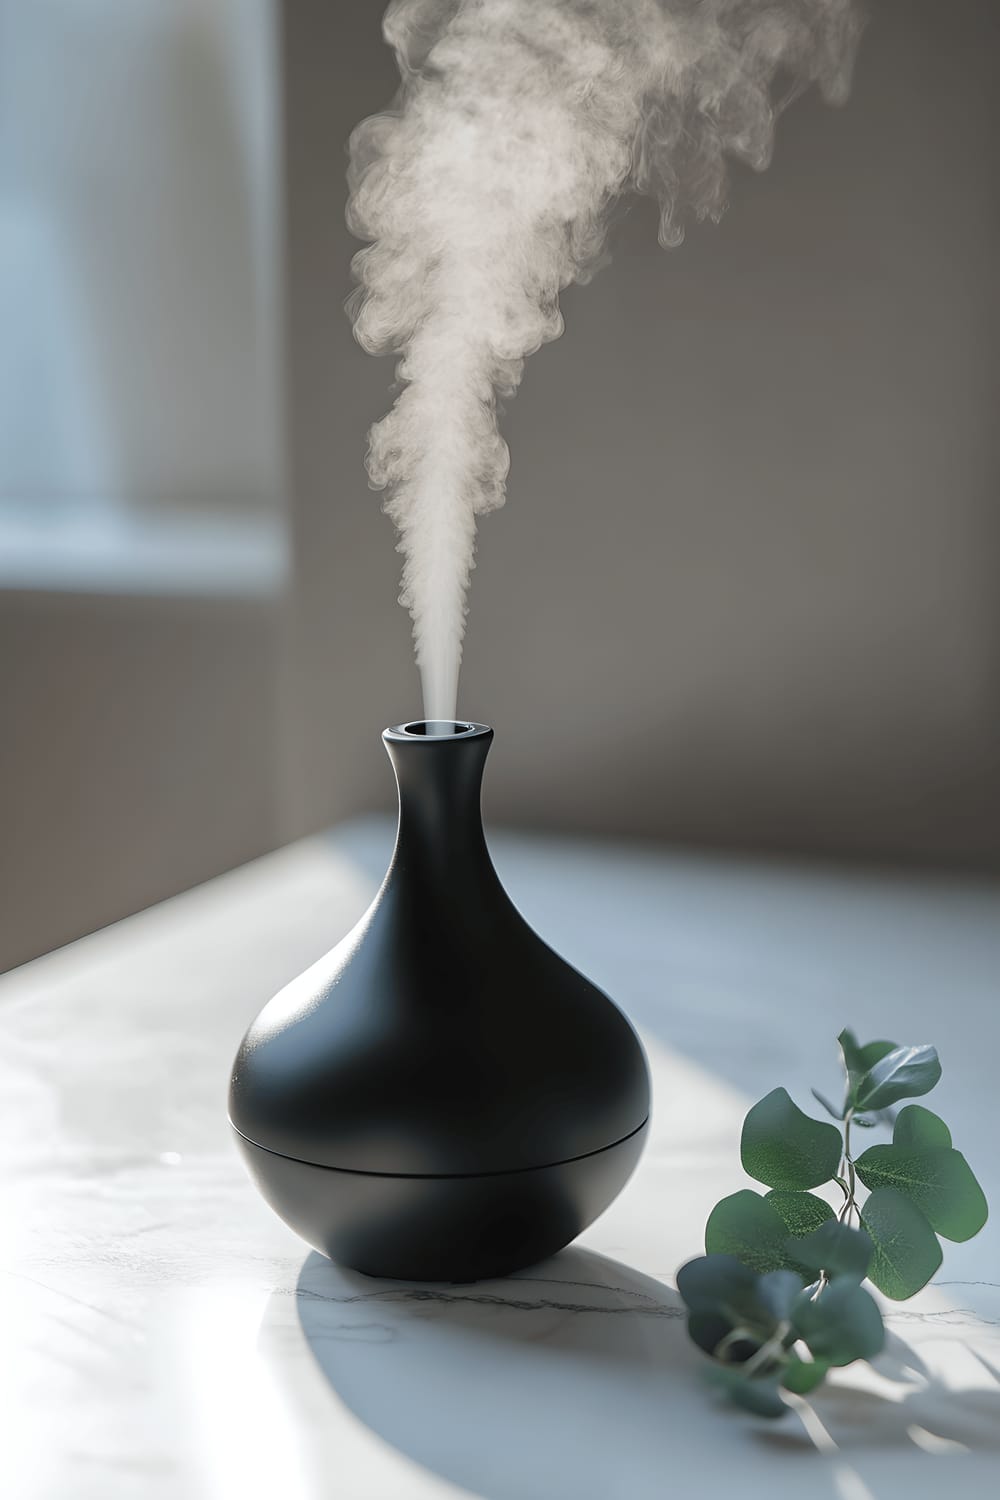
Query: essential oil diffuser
[{"x": 441, "y": 1097}]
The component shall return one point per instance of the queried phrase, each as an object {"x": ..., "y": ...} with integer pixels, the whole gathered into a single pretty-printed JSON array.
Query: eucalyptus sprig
[{"x": 777, "y": 1300}]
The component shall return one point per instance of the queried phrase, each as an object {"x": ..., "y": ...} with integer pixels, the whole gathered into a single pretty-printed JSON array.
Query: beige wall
[
  {"x": 137, "y": 757},
  {"x": 744, "y": 588}
]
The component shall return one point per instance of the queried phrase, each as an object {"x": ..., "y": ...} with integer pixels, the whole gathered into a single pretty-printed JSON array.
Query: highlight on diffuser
[{"x": 485, "y": 189}]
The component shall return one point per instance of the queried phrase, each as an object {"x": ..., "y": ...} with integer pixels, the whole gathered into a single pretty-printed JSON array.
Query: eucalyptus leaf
[
  {"x": 747, "y": 1227},
  {"x": 939, "y": 1181},
  {"x": 785, "y": 1148},
  {"x": 839, "y": 1251},
  {"x": 801, "y": 1212},
  {"x": 919, "y": 1129},
  {"x": 744, "y": 1225},
  {"x": 716, "y": 1281},
  {"x": 803, "y": 1376},
  {"x": 721, "y": 1294},
  {"x": 776, "y": 1293},
  {"x": 840, "y": 1325},
  {"x": 906, "y": 1251},
  {"x": 903, "y": 1073},
  {"x": 759, "y": 1395},
  {"x": 858, "y": 1059}
]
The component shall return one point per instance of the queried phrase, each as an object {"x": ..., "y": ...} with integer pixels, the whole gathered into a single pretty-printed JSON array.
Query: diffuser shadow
[{"x": 551, "y": 1382}]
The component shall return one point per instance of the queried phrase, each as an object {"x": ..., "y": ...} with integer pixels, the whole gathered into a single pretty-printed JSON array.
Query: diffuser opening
[{"x": 437, "y": 727}]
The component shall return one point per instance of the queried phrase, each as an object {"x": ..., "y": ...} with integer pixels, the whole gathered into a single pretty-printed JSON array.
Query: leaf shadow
[{"x": 928, "y": 1415}]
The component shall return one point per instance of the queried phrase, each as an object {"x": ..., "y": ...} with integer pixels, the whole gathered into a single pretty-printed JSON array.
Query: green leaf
[
  {"x": 906, "y": 1252},
  {"x": 721, "y": 1294},
  {"x": 776, "y": 1293},
  {"x": 858, "y": 1059},
  {"x": 939, "y": 1181},
  {"x": 803, "y": 1376},
  {"x": 919, "y": 1130},
  {"x": 759, "y": 1395},
  {"x": 903, "y": 1073},
  {"x": 837, "y": 1250},
  {"x": 717, "y": 1282},
  {"x": 841, "y": 1325},
  {"x": 801, "y": 1212},
  {"x": 784, "y": 1148},
  {"x": 745, "y": 1226}
]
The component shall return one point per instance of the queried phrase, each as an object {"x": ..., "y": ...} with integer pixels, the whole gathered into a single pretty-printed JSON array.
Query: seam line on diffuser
[{"x": 542, "y": 1166}]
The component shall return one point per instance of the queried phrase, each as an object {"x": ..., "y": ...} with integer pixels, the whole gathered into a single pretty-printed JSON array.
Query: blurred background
[{"x": 744, "y": 590}]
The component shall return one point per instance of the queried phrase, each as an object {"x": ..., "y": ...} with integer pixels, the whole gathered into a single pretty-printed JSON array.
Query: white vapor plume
[{"x": 485, "y": 190}]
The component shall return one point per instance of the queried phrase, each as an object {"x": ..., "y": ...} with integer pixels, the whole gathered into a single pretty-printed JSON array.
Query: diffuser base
[{"x": 442, "y": 1228}]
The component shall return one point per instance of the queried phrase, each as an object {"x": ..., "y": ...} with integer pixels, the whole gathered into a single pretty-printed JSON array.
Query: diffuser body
[{"x": 441, "y": 1097}]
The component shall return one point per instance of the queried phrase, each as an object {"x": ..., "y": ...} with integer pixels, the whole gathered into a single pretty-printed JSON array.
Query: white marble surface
[{"x": 164, "y": 1336}]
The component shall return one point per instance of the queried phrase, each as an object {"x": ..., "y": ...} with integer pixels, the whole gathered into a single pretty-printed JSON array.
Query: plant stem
[
  {"x": 774, "y": 1348},
  {"x": 849, "y": 1204},
  {"x": 734, "y": 1336}
]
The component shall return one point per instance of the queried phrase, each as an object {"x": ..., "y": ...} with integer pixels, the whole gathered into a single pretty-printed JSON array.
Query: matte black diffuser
[{"x": 441, "y": 1097}]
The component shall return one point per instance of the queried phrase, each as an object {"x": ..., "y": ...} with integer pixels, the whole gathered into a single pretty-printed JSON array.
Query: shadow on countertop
[
  {"x": 576, "y": 1378},
  {"x": 536, "y": 1385}
]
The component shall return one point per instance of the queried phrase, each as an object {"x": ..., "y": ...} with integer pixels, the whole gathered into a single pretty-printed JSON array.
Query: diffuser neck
[{"x": 439, "y": 780}]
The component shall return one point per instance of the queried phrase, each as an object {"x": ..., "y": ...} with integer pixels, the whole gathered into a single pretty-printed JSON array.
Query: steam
[{"x": 486, "y": 190}]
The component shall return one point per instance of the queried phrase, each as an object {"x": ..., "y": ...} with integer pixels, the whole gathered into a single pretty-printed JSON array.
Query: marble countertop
[{"x": 164, "y": 1335}]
